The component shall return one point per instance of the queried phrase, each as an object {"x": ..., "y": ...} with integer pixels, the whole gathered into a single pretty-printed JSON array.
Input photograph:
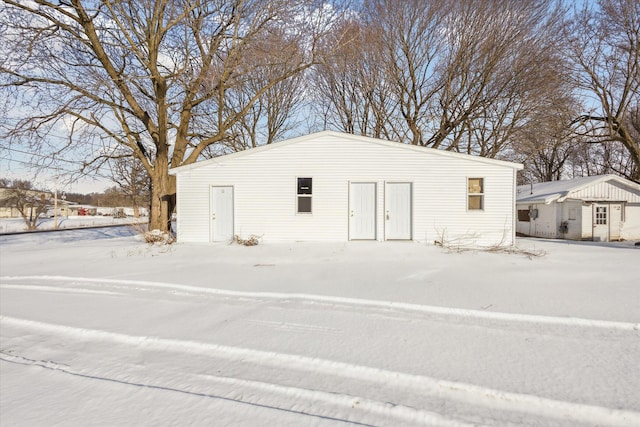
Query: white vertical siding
[
  {"x": 265, "y": 192},
  {"x": 631, "y": 225},
  {"x": 606, "y": 190},
  {"x": 549, "y": 219},
  {"x": 574, "y": 226},
  {"x": 545, "y": 225},
  {"x": 615, "y": 220},
  {"x": 587, "y": 222},
  {"x": 523, "y": 227},
  {"x": 551, "y": 216},
  {"x": 611, "y": 191}
]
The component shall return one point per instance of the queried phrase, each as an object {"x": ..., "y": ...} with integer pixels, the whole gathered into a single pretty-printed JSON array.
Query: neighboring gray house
[
  {"x": 331, "y": 186},
  {"x": 600, "y": 208}
]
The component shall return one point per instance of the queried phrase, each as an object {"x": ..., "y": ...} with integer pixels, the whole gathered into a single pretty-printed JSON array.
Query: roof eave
[
  {"x": 503, "y": 163},
  {"x": 544, "y": 200}
]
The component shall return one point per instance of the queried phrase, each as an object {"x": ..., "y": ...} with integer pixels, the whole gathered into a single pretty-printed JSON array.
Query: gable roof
[
  {"x": 348, "y": 136},
  {"x": 547, "y": 192}
]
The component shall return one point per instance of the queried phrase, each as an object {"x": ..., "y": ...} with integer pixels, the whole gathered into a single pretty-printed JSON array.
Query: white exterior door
[
  {"x": 600, "y": 223},
  {"x": 362, "y": 211},
  {"x": 615, "y": 221},
  {"x": 397, "y": 211},
  {"x": 221, "y": 214}
]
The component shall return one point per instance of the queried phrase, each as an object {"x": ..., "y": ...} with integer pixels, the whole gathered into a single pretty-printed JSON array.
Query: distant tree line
[
  {"x": 111, "y": 197},
  {"x": 23, "y": 192}
]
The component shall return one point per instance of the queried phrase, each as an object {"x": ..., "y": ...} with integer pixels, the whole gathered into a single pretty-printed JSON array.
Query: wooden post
[{"x": 55, "y": 204}]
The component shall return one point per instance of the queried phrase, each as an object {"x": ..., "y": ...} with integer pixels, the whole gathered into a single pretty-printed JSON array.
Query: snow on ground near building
[
  {"x": 99, "y": 328},
  {"x": 12, "y": 225}
]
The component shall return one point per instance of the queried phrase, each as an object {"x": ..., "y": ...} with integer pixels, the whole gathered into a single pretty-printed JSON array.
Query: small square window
[
  {"x": 304, "y": 191},
  {"x": 523, "y": 215},
  {"x": 573, "y": 213},
  {"x": 475, "y": 193}
]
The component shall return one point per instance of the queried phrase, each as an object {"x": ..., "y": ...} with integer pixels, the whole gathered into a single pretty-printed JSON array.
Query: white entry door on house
[
  {"x": 362, "y": 211},
  {"x": 221, "y": 215},
  {"x": 397, "y": 211},
  {"x": 615, "y": 221},
  {"x": 600, "y": 223}
]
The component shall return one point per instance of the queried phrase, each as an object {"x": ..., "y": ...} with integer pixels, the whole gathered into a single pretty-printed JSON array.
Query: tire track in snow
[
  {"x": 389, "y": 305},
  {"x": 360, "y": 405},
  {"x": 292, "y": 326},
  {"x": 463, "y": 392},
  {"x": 16, "y": 359},
  {"x": 59, "y": 290}
]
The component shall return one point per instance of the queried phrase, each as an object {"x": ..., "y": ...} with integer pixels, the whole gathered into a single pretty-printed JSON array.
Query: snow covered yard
[
  {"x": 12, "y": 225},
  {"x": 99, "y": 328}
]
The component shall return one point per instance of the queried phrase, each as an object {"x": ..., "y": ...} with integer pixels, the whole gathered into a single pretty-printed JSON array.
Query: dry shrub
[
  {"x": 158, "y": 237},
  {"x": 253, "y": 240}
]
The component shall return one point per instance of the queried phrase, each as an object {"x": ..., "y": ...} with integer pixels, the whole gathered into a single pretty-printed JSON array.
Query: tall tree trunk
[
  {"x": 633, "y": 146},
  {"x": 163, "y": 197}
]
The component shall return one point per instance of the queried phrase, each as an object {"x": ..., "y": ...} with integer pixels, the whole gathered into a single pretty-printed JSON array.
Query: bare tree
[
  {"x": 498, "y": 65},
  {"x": 271, "y": 117},
  {"x": 464, "y": 75},
  {"x": 351, "y": 89},
  {"x": 132, "y": 179},
  {"x": 599, "y": 159},
  {"x": 340, "y": 100},
  {"x": 156, "y": 78},
  {"x": 604, "y": 46},
  {"x": 547, "y": 145},
  {"x": 274, "y": 113},
  {"x": 410, "y": 37}
]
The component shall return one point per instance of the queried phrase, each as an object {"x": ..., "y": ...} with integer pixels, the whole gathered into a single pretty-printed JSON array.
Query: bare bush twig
[
  {"x": 252, "y": 240},
  {"x": 158, "y": 237},
  {"x": 458, "y": 245}
]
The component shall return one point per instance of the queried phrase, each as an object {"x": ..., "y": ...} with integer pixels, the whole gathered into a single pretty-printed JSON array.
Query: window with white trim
[
  {"x": 573, "y": 214},
  {"x": 475, "y": 194},
  {"x": 304, "y": 191},
  {"x": 601, "y": 215}
]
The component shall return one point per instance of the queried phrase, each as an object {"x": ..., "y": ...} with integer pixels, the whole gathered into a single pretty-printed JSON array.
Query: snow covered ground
[{"x": 98, "y": 328}]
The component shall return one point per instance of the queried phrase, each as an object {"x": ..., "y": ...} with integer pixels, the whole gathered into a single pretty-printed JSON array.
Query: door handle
[
  {"x": 387, "y": 216},
  {"x": 351, "y": 213},
  {"x": 213, "y": 216}
]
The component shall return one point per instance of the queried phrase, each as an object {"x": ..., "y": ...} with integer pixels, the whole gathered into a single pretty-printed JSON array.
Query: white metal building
[
  {"x": 330, "y": 186},
  {"x": 599, "y": 208}
]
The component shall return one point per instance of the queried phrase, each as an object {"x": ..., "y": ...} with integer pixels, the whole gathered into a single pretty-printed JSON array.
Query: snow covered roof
[
  {"x": 342, "y": 135},
  {"x": 547, "y": 192}
]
